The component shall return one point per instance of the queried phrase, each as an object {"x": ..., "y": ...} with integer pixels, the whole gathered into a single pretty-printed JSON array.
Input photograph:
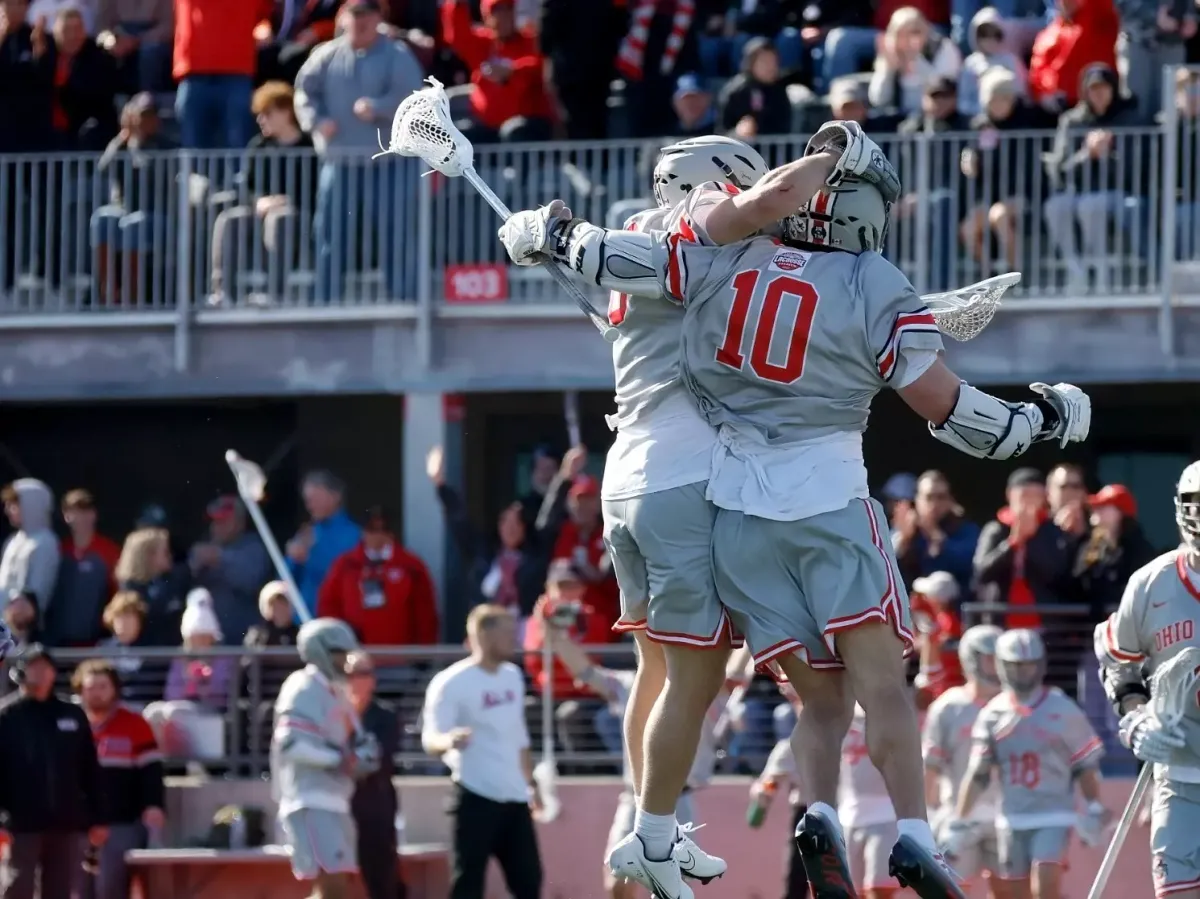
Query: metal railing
[
  {"x": 587, "y": 731},
  {"x": 159, "y": 232}
]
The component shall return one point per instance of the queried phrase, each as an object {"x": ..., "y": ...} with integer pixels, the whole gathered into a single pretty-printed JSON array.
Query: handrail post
[
  {"x": 1168, "y": 191},
  {"x": 183, "y": 266}
]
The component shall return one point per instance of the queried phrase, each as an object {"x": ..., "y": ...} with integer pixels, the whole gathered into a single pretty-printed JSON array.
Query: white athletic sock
[
  {"x": 657, "y": 833},
  {"x": 919, "y": 830}
]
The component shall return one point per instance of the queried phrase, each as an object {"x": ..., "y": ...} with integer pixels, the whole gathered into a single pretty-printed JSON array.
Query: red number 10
[{"x": 730, "y": 351}]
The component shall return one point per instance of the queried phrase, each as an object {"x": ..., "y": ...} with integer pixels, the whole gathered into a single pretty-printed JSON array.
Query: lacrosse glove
[
  {"x": 858, "y": 157},
  {"x": 1070, "y": 406},
  {"x": 1148, "y": 738},
  {"x": 528, "y": 235},
  {"x": 1090, "y": 824},
  {"x": 365, "y": 756}
]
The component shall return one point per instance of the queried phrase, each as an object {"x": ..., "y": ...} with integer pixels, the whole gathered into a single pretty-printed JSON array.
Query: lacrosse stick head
[
  {"x": 965, "y": 312},
  {"x": 1174, "y": 686},
  {"x": 545, "y": 775},
  {"x": 251, "y": 481},
  {"x": 422, "y": 127}
]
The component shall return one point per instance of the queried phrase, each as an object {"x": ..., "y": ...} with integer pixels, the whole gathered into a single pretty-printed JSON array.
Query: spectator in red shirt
[
  {"x": 215, "y": 56},
  {"x": 381, "y": 590},
  {"x": 581, "y": 542},
  {"x": 509, "y": 99},
  {"x": 934, "y": 599},
  {"x": 1082, "y": 33},
  {"x": 85, "y": 576}
]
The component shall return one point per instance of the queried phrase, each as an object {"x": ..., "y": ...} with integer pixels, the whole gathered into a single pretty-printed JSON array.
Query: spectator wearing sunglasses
[
  {"x": 932, "y": 535},
  {"x": 381, "y": 590}
]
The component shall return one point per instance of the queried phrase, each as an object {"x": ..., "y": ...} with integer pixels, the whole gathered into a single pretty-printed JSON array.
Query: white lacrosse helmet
[
  {"x": 694, "y": 161},
  {"x": 1187, "y": 506},
  {"x": 976, "y": 643},
  {"x": 1020, "y": 660},
  {"x": 852, "y": 216}
]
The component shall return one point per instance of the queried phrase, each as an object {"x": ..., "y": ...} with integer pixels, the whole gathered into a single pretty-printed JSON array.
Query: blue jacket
[
  {"x": 335, "y": 535},
  {"x": 956, "y": 556}
]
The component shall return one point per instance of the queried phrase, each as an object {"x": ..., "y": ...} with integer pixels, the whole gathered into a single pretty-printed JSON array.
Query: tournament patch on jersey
[{"x": 789, "y": 261}]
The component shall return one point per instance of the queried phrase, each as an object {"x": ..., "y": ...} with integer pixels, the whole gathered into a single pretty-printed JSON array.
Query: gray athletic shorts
[
  {"x": 321, "y": 842},
  {"x": 868, "y": 849},
  {"x": 622, "y": 825},
  {"x": 1174, "y": 832},
  {"x": 790, "y": 586},
  {"x": 978, "y": 856},
  {"x": 661, "y": 547},
  {"x": 1020, "y": 850}
]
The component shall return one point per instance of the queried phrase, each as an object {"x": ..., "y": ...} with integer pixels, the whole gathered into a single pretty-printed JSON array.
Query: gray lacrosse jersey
[
  {"x": 646, "y": 354},
  {"x": 793, "y": 343},
  {"x": 863, "y": 799},
  {"x": 1159, "y": 616},
  {"x": 1037, "y": 750},
  {"x": 313, "y": 721},
  {"x": 946, "y": 746}
]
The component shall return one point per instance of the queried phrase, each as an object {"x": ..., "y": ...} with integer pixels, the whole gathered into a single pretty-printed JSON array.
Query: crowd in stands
[
  {"x": 1054, "y": 557},
  {"x": 1038, "y": 91}
]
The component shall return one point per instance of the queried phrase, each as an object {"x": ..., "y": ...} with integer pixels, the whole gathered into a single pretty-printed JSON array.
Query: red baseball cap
[
  {"x": 222, "y": 507},
  {"x": 1116, "y": 495},
  {"x": 584, "y": 485}
]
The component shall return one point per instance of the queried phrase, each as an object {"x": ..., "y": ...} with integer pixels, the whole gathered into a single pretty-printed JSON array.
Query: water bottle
[{"x": 761, "y": 797}]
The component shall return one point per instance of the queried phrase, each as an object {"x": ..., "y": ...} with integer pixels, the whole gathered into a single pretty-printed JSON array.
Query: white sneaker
[
  {"x": 663, "y": 879},
  {"x": 694, "y": 862}
]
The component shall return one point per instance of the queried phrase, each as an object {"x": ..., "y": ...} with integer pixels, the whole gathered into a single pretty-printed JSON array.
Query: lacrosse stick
[
  {"x": 571, "y": 415},
  {"x": 545, "y": 772},
  {"x": 1172, "y": 693},
  {"x": 422, "y": 127},
  {"x": 251, "y": 487},
  {"x": 965, "y": 312}
]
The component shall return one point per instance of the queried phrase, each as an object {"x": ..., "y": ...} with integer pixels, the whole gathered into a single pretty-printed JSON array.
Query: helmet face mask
[
  {"x": 977, "y": 654},
  {"x": 1187, "y": 507},
  {"x": 683, "y": 166},
  {"x": 852, "y": 216},
  {"x": 1021, "y": 661},
  {"x": 324, "y": 643}
]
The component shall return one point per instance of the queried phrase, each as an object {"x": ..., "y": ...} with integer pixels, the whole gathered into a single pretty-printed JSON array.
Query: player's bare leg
[
  {"x": 874, "y": 660},
  {"x": 1018, "y": 888},
  {"x": 824, "y": 716},
  {"x": 331, "y": 886},
  {"x": 1047, "y": 880},
  {"x": 647, "y": 685}
]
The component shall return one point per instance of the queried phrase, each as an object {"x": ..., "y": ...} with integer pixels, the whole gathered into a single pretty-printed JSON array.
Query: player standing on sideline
[
  {"x": 658, "y": 526},
  {"x": 1041, "y": 743},
  {"x": 789, "y": 473},
  {"x": 614, "y": 686},
  {"x": 316, "y": 757},
  {"x": 946, "y": 745},
  {"x": 1159, "y": 617},
  {"x": 866, "y": 813}
]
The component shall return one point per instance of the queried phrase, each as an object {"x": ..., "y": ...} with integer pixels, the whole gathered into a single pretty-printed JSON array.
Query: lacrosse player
[
  {"x": 316, "y": 756},
  {"x": 1042, "y": 745},
  {"x": 1157, "y": 620},
  {"x": 791, "y": 409},
  {"x": 658, "y": 526},
  {"x": 866, "y": 813},
  {"x": 946, "y": 745}
]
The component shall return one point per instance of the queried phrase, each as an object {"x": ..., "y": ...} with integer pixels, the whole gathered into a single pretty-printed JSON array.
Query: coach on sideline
[{"x": 474, "y": 720}]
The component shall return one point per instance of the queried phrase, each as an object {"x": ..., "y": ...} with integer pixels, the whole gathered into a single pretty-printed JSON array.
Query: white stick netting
[
  {"x": 965, "y": 312},
  {"x": 1174, "y": 686},
  {"x": 422, "y": 127}
]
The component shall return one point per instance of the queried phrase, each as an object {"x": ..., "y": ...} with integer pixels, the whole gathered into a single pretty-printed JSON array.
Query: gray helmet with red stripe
[
  {"x": 698, "y": 160},
  {"x": 852, "y": 216}
]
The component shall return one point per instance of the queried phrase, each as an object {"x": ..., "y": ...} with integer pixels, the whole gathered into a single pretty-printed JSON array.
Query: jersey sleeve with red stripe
[
  {"x": 896, "y": 316},
  {"x": 1123, "y": 637},
  {"x": 618, "y": 303},
  {"x": 688, "y": 230}
]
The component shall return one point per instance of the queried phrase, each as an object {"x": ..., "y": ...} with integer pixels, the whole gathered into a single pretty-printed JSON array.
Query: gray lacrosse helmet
[
  {"x": 852, "y": 216},
  {"x": 697, "y": 160},
  {"x": 321, "y": 640},
  {"x": 1187, "y": 506},
  {"x": 975, "y": 643},
  {"x": 1020, "y": 661}
]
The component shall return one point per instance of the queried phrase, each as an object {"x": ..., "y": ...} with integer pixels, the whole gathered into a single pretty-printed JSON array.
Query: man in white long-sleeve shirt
[{"x": 474, "y": 720}]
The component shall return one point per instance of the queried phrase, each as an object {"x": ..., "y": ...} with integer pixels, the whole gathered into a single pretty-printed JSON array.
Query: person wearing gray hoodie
[
  {"x": 29, "y": 560},
  {"x": 989, "y": 49}
]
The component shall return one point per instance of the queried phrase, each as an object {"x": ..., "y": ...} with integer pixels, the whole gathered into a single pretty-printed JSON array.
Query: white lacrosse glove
[
  {"x": 527, "y": 235},
  {"x": 1073, "y": 408},
  {"x": 860, "y": 157},
  {"x": 367, "y": 756},
  {"x": 1148, "y": 738},
  {"x": 1091, "y": 823},
  {"x": 956, "y": 836}
]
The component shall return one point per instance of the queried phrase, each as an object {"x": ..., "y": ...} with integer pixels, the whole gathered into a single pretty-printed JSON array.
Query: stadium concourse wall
[{"x": 572, "y": 847}]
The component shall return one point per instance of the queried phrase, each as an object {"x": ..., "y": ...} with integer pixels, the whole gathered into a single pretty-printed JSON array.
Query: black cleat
[
  {"x": 916, "y": 868},
  {"x": 823, "y": 852}
]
